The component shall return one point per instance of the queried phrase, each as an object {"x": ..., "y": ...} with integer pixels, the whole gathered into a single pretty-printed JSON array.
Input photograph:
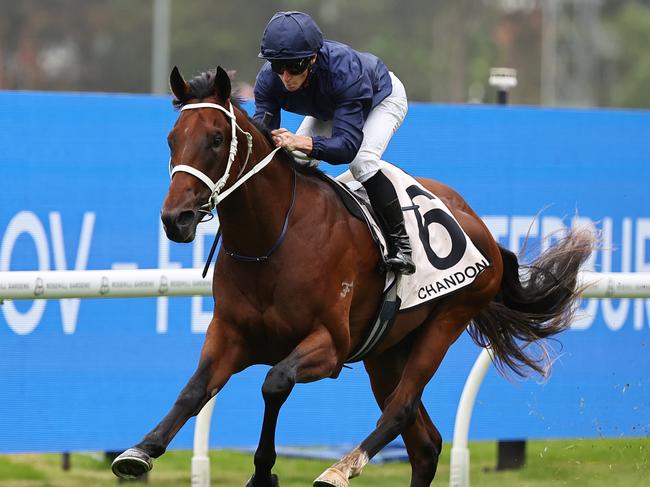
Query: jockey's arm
[
  {"x": 263, "y": 120},
  {"x": 266, "y": 102},
  {"x": 340, "y": 148},
  {"x": 347, "y": 135},
  {"x": 292, "y": 142}
]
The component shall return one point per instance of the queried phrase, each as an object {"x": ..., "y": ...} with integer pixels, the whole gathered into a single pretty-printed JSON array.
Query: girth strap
[{"x": 382, "y": 325}]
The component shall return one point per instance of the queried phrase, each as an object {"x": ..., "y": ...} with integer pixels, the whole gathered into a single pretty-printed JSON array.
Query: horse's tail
[{"x": 533, "y": 305}]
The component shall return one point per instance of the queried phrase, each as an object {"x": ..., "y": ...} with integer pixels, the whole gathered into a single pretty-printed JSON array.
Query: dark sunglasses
[{"x": 292, "y": 66}]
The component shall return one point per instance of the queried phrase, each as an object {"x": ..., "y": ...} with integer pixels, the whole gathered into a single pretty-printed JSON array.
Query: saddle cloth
[{"x": 446, "y": 260}]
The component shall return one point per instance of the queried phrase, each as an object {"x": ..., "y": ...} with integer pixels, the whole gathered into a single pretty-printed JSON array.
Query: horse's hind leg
[
  {"x": 314, "y": 358},
  {"x": 422, "y": 439},
  {"x": 424, "y": 444},
  {"x": 401, "y": 409},
  {"x": 220, "y": 358}
]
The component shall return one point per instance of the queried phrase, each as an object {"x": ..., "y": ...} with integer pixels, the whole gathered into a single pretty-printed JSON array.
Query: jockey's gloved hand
[{"x": 303, "y": 159}]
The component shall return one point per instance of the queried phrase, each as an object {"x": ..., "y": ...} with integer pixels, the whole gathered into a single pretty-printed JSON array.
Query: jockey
[{"x": 352, "y": 105}]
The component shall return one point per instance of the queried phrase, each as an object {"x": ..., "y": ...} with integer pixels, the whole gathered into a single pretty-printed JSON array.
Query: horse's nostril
[{"x": 185, "y": 218}]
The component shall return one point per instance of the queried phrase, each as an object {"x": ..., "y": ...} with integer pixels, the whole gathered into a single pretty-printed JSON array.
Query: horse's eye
[{"x": 217, "y": 140}]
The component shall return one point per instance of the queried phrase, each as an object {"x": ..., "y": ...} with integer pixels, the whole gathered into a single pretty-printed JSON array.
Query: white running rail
[
  {"x": 135, "y": 283},
  {"x": 601, "y": 285},
  {"x": 127, "y": 283},
  {"x": 138, "y": 283}
]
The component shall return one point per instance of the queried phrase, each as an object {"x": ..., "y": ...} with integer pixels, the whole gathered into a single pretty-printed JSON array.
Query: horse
[{"x": 298, "y": 280}]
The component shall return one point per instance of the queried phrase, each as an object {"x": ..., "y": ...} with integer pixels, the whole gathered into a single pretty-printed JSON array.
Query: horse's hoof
[
  {"x": 332, "y": 477},
  {"x": 274, "y": 482},
  {"x": 132, "y": 464}
]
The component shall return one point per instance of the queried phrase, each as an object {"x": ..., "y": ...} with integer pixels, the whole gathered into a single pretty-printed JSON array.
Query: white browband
[{"x": 216, "y": 196}]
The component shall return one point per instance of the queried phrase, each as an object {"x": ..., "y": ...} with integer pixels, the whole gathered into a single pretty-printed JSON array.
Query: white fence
[
  {"x": 601, "y": 285},
  {"x": 138, "y": 283},
  {"x": 188, "y": 282}
]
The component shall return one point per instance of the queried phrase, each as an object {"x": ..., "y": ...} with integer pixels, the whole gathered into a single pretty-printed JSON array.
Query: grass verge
[{"x": 590, "y": 463}]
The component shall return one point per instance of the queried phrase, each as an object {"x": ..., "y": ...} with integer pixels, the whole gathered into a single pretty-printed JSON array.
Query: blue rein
[{"x": 261, "y": 258}]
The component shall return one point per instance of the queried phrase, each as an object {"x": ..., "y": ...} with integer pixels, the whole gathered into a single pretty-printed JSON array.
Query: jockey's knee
[{"x": 364, "y": 166}]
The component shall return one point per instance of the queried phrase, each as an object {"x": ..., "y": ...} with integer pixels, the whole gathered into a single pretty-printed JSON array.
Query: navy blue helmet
[{"x": 290, "y": 35}]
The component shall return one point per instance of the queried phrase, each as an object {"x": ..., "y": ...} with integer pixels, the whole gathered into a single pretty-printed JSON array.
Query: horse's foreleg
[
  {"x": 314, "y": 358},
  {"x": 220, "y": 358},
  {"x": 401, "y": 408}
]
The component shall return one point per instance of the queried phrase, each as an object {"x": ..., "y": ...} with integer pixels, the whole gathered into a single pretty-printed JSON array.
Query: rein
[
  {"x": 216, "y": 196},
  {"x": 262, "y": 258}
]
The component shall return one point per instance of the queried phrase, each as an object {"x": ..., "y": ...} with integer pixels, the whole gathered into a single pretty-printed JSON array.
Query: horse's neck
[{"x": 252, "y": 217}]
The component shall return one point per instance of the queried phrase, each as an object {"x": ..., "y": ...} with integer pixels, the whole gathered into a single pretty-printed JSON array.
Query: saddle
[{"x": 446, "y": 259}]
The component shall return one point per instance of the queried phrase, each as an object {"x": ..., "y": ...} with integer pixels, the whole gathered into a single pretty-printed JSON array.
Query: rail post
[
  {"x": 459, "y": 469},
  {"x": 200, "y": 458}
]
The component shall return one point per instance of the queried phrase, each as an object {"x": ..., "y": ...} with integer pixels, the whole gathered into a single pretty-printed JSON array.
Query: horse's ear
[
  {"x": 222, "y": 83},
  {"x": 177, "y": 84}
]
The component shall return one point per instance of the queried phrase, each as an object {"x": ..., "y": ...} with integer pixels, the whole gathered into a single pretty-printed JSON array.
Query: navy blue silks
[{"x": 343, "y": 86}]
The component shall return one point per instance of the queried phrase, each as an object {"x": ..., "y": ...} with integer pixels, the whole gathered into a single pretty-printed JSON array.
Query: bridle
[{"x": 216, "y": 196}]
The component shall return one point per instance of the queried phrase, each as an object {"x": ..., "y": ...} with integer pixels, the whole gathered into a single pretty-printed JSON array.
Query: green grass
[{"x": 591, "y": 463}]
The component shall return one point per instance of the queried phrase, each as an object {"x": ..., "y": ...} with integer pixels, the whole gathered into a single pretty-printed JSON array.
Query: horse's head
[{"x": 200, "y": 145}]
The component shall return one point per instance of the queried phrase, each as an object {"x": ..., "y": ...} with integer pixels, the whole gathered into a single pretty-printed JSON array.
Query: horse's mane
[{"x": 202, "y": 86}]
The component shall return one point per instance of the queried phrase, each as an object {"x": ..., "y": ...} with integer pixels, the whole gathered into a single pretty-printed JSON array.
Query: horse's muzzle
[{"x": 180, "y": 224}]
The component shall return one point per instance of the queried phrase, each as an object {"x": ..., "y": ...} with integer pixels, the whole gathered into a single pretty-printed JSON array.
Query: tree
[{"x": 631, "y": 78}]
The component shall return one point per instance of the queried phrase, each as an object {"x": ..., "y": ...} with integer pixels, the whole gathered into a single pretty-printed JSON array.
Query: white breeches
[{"x": 381, "y": 124}]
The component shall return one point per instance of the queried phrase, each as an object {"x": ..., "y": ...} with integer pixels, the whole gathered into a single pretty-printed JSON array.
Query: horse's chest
[
  {"x": 269, "y": 334},
  {"x": 264, "y": 317},
  {"x": 273, "y": 296}
]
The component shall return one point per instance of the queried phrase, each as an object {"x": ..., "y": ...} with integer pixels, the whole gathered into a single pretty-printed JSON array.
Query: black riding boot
[{"x": 386, "y": 206}]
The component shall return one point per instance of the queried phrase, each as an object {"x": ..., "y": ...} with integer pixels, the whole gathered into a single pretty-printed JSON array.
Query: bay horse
[{"x": 302, "y": 302}]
